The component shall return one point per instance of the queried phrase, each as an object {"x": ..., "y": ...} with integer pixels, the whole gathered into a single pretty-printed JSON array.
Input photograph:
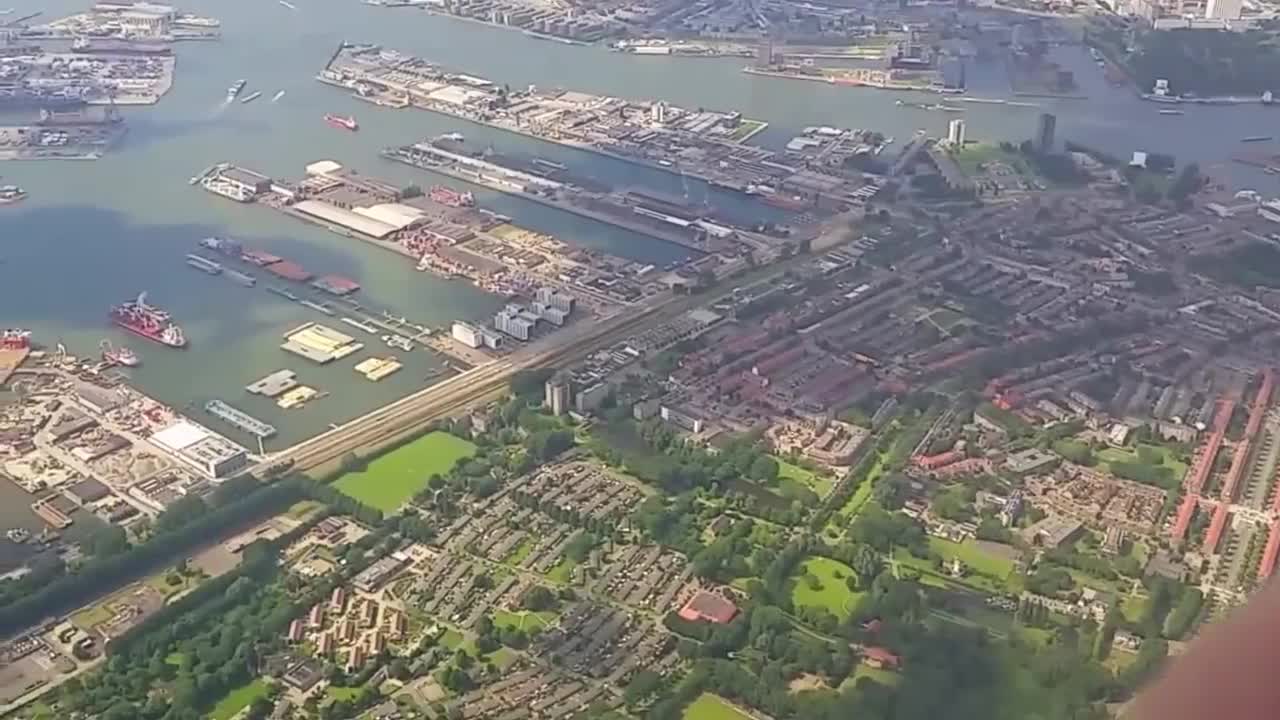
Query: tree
[
  {"x": 764, "y": 469},
  {"x": 537, "y": 599},
  {"x": 866, "y": 563},
  {"x": 106, "y": 541}
]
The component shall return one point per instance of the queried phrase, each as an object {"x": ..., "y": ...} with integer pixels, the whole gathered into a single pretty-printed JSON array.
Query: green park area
[
  {"x": 238, "y": 700},
  {"x": 986, "y": 571},
  {"x": 794, "y": 473},
  {"x": 746, "y": 129},
  {"x": 972, "y": 555},
  {"x": 387, "y": 482},
  {"x": 831, "y": 591},
  {"x": 526, "y": 620},
  {"x": 713, "y": 707},
  {"x": 974, "y": 159},
  {"x": 1145, "y": 455}
]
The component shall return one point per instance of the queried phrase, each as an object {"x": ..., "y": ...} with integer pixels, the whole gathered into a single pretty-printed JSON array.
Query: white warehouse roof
[
  {"x": 396, "y": 215},
  {"x": 346, "y": 218},
  {"x": 323, "y": 167},
  {"x": 179, "y": 436}
]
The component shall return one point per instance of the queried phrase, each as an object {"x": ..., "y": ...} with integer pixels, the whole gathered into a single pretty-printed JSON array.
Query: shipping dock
[
  {"x": 278, "y": 382},
  {"x": 298, "y": 397},
  {"x": 240, "y": 419},
  {"x": 240, "y": 278},
  {"x": 360, "y": 325},
  {"x": 689, "y": 229},
  {"x": 375, "y": 369},
  {"x": 335, "y": 284},
  {"x": 319, "y": 343}
]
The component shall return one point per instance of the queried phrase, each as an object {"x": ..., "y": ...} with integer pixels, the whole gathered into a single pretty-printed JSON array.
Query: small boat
[
  {"x": 10, "y": 194},
  {"x": 235, "y": 89},
  {"x": 288, "y": 4},
  {"x": 454, "y": 136},
  {"x": 277, "y": 96},
  {"x": 251, "y": 97},
  {"x": 122, "y": 356},
  {"x": 1256, "y": 138},
  {"x": 1172, "y": 112},
  {"x": 399, "y": 342},
  {"x": 342, "y": 123},
  {"x": 18, "y": 535}
]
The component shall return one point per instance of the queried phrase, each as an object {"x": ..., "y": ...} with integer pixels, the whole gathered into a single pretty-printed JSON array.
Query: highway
[{"x": 479, "y": 384}]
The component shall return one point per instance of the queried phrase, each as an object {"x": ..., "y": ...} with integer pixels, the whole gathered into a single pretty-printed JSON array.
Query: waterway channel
[{"x": 94, "y": 233}]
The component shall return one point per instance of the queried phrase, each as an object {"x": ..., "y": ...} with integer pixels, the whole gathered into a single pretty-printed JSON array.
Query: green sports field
[
  {"x": 389, "y": 481},
  {"x": 834, "y": 594}
]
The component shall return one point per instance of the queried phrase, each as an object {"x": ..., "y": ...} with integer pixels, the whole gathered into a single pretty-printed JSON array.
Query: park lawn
[
  {"x": 835, "y": 596},
  {"x": 503, "y": 658},
  {"x": 1134, "y": 607},
  {"x": 303, "y": 509},
  {"x": 1127, "y": 455},
  {"x": 452, "y": 639},
  {"x": 237, "y": 700},
  {"x": 524, "y": 620},
  {"x": 92, "y": 616},
  {"x": 820, "y": 485},
  {"x": 973, "y": 556},
  {"x": 334, "y": 693},
  {"x": 520, "y": 552},
  {"x": 976, "y": 154},
  {"x": 884, "y": 677},
  {"x": 160, "y": 583},
  {"x": 562, "y": 573},
  {"x": 713, "y": 707},
  {"x": 390, "y": 480}
]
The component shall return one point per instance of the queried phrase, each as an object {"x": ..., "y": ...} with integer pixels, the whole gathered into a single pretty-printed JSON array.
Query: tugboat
[
  {"x": 121, "y": 356},
  {"x": 342, "y": 123},
  {"x": 10, "y": 194}
]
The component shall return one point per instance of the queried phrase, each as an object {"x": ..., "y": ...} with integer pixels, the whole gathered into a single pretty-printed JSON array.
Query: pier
[
  {"x": 240, "y": 419},
  {"x": 274, "y": 384}
]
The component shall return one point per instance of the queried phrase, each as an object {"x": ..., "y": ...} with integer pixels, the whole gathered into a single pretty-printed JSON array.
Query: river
[{"x": 94, "y": 233}]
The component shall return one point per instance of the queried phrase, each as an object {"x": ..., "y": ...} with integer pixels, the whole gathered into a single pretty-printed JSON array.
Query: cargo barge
[
  {"x": 204, "y": 264},
  {"x": 240, "y": 419},
  {"x": 278, "y": 382},
  {"x": 238, "y": 277}
]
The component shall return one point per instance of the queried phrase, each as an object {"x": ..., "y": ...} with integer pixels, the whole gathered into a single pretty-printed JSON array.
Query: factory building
[
  {"x": 474, "y": 336},
  {"x": 555, "y": 299},
  {"x": 212, "y": 456},
  {"x": 592, "y": 397},
  {"x": 515, "y": 321}
]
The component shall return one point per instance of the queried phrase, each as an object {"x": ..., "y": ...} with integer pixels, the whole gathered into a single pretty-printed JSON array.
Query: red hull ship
[
  {"x": 342, "y": 123},
  {"x": 148, "y": 322},
  {"x": 452, "y": 198}
]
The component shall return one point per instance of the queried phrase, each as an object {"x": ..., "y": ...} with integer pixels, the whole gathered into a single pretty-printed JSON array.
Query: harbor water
[{"x": 92, "y": 234}]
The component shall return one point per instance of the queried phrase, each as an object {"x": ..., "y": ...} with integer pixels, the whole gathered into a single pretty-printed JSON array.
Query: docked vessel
[
  {"x": 10, "y": 194},
  {"x": 1170, "y": 111},
  {"x": 122, "y": 355},
  {"x": 15, "y": 339},
  {"x": 203, "y": 264},
  {"x": 251, "y": 97},
  {"x": 342, "y": 123},
  {"x": 282, "y": 292},
  {"x": 148, "y": 322},
  {"x": 240, "y": 278},
  {"x": 235, "y": 89},
  {"x": 398, "y": 342},
  {"x": 18, "y": 535},
  {"x": 225, "y": 246},
  {"x": 452, "y": 198},
  {"x": 1256, "y": 138}
]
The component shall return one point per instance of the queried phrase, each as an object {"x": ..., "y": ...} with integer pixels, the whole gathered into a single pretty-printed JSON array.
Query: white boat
[
  {"x": 235, "y": 89},
  {"x": 454, "y": 136},
  {"x": 288, "y": 4},
  {"x": 251, "y": 97},
  {"x": 277, "y": 96},
  {"x": 18, "y": 535}
]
